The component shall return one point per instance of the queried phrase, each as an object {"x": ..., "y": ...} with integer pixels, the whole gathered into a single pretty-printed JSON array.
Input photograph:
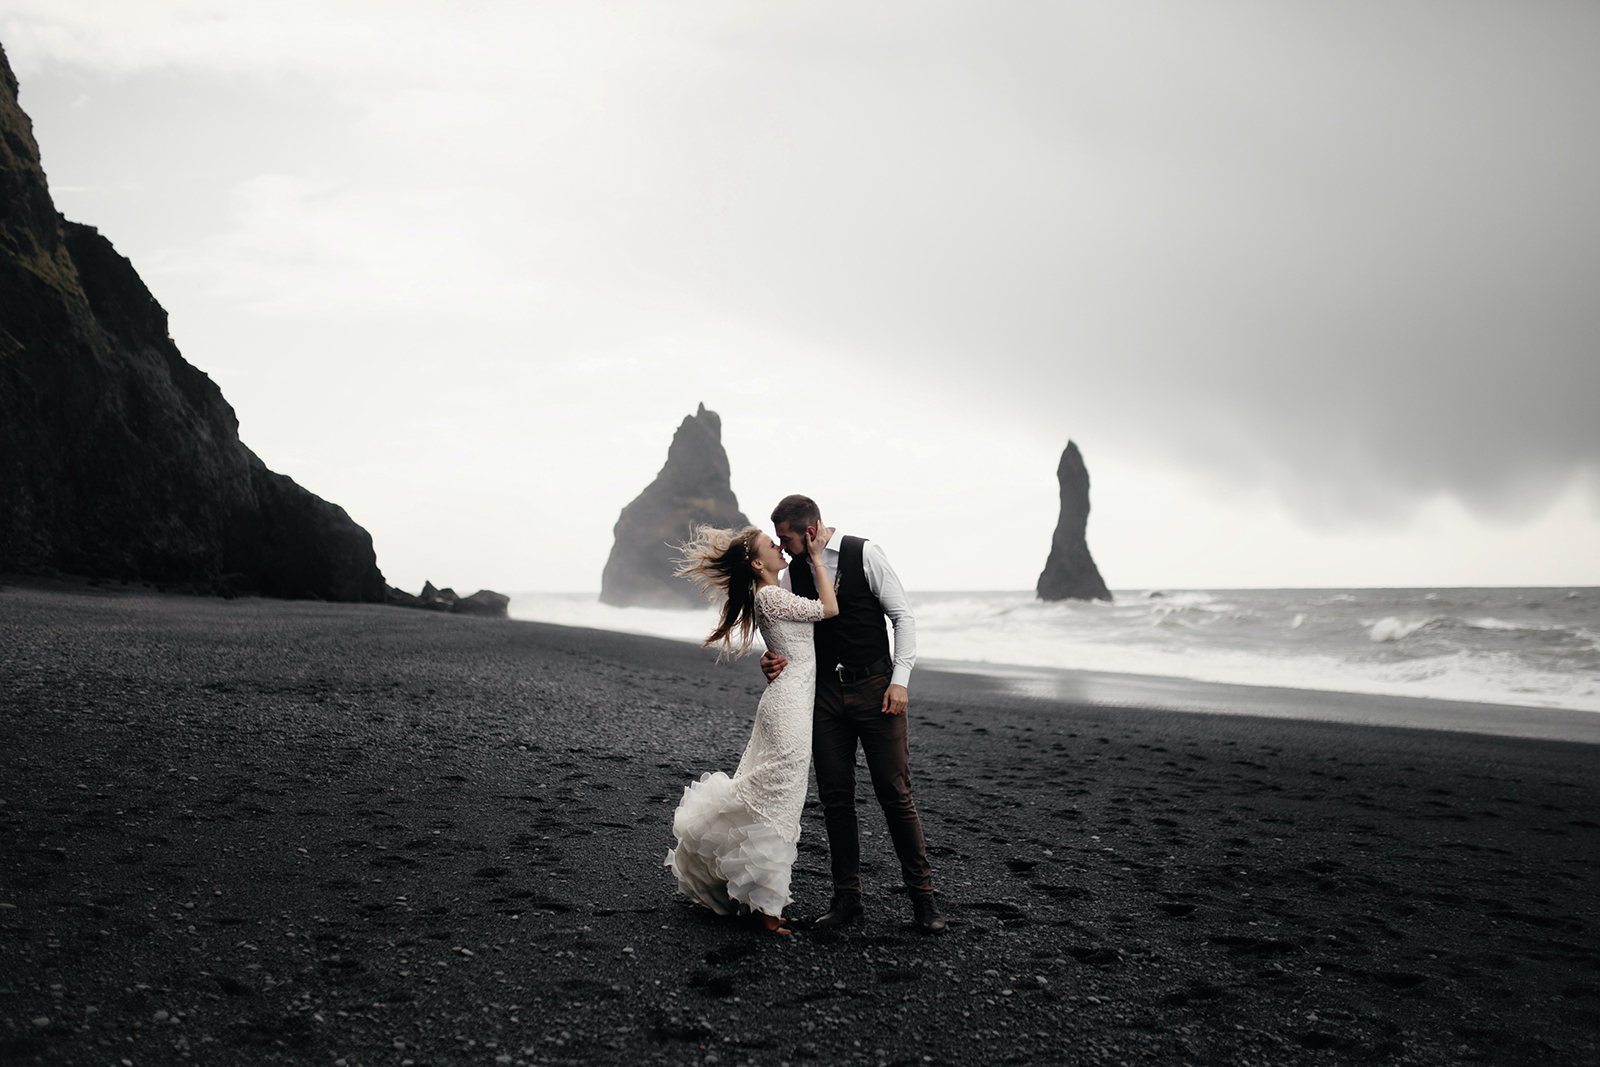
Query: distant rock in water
[
  {"x": 691, "y": 489},
  {"x": 483, "y": 602},
  {"x": 117, "y": 458},
  {"x": 1070, "y": 573}
]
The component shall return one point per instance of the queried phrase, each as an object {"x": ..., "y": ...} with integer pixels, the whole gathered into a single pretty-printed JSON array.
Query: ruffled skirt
[{"x": 727, "y": 854}]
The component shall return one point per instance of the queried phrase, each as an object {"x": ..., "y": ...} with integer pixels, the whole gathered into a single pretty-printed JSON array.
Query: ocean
[{"x": 1531, "y": 647}]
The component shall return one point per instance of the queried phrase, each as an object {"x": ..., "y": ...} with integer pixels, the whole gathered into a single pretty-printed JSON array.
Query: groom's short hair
[{"x": 797, "y": 511}]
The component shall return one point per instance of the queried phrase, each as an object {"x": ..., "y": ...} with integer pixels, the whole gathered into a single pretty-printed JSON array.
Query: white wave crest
[
  {"x": 1500, "y": 624},
  {"x": 1391, "y": 628}
]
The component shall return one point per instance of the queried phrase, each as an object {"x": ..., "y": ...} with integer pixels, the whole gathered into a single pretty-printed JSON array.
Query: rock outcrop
[
  {"x": 1070, "y": 573},
  {"x": 483, "y": 602},
  {"x": 117, "y": 458},
  {"x": 691, "y": 489}
]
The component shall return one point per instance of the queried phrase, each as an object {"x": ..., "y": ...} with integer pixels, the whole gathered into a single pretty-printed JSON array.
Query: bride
[{"x": 737, "y": 836}]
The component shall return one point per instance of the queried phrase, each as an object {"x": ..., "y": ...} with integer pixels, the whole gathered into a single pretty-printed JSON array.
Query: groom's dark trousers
[{"x": 848, "y": 714}]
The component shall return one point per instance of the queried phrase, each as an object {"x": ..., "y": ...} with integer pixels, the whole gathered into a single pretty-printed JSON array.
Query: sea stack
[
  {"x": 1070, "y": 573},
  {"x": 117, "y": 458},
  {"x": 692, "y": 489}
]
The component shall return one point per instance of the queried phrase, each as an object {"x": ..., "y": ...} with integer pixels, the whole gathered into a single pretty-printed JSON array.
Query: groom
[{"x": 861, "y": 701}]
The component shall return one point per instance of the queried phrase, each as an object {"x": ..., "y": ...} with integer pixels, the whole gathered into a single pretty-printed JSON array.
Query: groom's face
[{"x": 793, "y": 541}]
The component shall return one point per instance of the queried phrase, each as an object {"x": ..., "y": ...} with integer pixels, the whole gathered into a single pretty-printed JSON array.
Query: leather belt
[{"x": 850, "y": 675}]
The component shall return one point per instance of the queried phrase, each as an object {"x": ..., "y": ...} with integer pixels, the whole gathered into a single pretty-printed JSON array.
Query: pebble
[{"x": 42, "y": 1021}]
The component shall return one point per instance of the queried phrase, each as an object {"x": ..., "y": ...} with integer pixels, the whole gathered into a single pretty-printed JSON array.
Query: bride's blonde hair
[{"x": 718, "y": 563}]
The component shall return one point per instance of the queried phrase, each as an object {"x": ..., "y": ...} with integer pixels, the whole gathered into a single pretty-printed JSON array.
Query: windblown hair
[
  {"x": 718, "y": 563},
  {"x": 798, "y": 511}
]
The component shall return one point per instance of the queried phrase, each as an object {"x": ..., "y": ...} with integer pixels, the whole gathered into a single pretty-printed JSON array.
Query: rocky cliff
[
  {"x": 692, "y": 488},
  {"x": 117, "y": 458},
  {"x": 1070, "y": 572}
]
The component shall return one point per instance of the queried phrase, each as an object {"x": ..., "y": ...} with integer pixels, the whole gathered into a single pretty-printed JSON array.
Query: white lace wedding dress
[{"x": 737, "y": 836}]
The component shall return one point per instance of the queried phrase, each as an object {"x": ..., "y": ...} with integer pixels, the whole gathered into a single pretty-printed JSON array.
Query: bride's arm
[{"x": 819, "y": 571}]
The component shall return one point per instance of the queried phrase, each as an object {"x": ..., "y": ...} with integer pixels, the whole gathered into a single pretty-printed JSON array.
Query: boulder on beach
[
  {"x": 692, "y": 489},
  {"x": 118, "y": 459},
  {"x": 432, "y": 599},
  {"x": 483, "y": 602},
  {"x": 1069, "y": 572}
]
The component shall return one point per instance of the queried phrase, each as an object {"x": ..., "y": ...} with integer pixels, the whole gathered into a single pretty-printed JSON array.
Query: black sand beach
[{"x": 261, "y": 831}]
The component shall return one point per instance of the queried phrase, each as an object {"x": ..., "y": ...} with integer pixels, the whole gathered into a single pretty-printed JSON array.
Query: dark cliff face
[
  {"x": 1070, "y": 572},
  {"x": 117, "y": 458},
  {"x": 691, "y": 489}
]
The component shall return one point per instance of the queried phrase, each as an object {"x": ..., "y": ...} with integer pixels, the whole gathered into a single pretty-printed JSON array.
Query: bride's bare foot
[{"x": 775, "y": 923}]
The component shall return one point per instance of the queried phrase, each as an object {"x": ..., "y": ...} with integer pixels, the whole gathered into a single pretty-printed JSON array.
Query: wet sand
[
  {"x": 990, "y": 683},
  {"x": 255, "y": 831}
]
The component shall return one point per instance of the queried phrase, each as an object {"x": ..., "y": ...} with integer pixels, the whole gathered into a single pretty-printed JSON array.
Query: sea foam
[{"x": 1503, "y": 646}]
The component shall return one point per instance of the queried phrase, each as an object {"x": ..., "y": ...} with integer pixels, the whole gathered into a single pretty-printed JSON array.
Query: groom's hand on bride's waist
[
  {"x": 895, "y": 700},
  {"x": 772, "y": 665}
]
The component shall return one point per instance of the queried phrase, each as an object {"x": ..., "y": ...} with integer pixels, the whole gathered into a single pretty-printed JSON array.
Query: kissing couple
[{"x": 834, "y": 687}]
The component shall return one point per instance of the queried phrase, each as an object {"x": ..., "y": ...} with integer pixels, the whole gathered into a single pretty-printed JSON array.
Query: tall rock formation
[
  {"x": 691, "y": 489},
  {"x": 1070, "y": 572},
  {"x": 117, "y": 458}
]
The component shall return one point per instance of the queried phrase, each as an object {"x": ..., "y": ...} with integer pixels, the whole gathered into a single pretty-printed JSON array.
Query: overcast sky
[{"x": 1313, "y": 286}]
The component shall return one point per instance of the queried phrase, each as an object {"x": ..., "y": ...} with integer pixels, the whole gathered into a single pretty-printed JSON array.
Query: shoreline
[
  {"x": 1184, "y": 692},
  {"x": 276, "y": 831}
]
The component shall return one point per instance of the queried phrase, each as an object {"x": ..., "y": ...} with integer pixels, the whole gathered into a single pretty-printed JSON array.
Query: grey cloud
[
  {"x": 1351, "y": 251},
  {"x": 1354, "y": 253}
]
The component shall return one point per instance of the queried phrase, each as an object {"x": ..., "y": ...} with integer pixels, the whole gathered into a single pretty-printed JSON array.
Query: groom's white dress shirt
[{"x": 885, "y": 585}]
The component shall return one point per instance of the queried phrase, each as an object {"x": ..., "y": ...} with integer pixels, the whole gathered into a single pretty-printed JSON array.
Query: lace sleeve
[{"x": 779, "y": 603}]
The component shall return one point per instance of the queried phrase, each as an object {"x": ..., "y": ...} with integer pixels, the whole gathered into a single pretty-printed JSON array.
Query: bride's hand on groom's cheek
[
  {"x": 772, "y": 665},
  {"x": 817, "y": 539}
]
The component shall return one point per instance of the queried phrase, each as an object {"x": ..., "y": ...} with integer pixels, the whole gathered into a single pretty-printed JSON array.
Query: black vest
[{"x": 856, "y": 637}]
